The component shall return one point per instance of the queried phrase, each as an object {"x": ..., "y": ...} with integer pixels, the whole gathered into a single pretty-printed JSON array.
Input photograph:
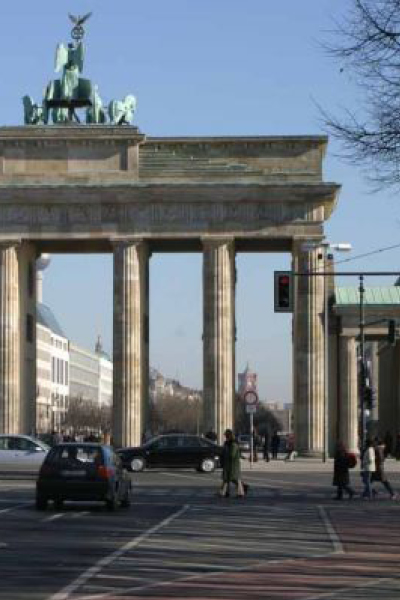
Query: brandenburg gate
[{"x": 107, "y": 187}]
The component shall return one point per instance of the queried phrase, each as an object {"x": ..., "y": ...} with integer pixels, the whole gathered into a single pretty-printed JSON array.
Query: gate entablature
[{"x": 104, "y": 181}]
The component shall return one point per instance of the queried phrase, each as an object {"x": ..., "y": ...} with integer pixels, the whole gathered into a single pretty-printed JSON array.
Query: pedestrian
[
  {"x": 367, "y": 467},
  {"x": 341, "y": 476},
  {"x": 275, "y": 441},
  {"x": 388, "y": 443},
  {"x": 266, "y": 446},
  {"x": 379, "y": 474},
  {"x": 290, "y": 448},
  {"x": 231, "y": 472},
  {"x": 397, "y": 447}
]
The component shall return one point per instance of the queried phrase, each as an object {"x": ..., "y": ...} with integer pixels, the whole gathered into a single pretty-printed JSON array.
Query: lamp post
[
  {"x": 337, "y": 247},
  {"x": 362, "y": 372}
]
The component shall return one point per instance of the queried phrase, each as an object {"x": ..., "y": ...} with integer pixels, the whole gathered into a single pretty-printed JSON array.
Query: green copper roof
[{"x": 374, "y": 296}]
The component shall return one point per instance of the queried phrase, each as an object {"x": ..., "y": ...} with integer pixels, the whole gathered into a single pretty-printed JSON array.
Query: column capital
[
  {"x": 299, "y": 245},
  {"x": 217, "y": 240},
  {"x": 127, "y": 241},
  {"x": 10, "y": 243}
]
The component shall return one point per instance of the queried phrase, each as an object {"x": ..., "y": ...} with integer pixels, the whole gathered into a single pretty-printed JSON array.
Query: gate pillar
[
  {"x": 10, "y": 340},
  {"x": 130, "y": 341},
  {"x": 308, "y": 354},
  {"x": 348, "y": 423},
  {"x": 218, "y": 334}
]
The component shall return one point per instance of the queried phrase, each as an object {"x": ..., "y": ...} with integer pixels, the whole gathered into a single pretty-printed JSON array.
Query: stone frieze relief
[{"x": 157, "y": 215}]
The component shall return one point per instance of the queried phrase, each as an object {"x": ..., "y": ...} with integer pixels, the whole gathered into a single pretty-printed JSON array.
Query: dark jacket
[
  {"x": 379, "y": 474},
  {"x": 341, "y": 469},
  {"x": 231, "y": 461}
]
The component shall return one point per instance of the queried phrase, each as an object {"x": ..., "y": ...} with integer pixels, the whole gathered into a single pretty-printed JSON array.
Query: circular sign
[{"x": 251, "y": 398}]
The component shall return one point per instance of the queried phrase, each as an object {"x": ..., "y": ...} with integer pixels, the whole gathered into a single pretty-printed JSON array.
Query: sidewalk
[{"x": 304, "y": 465}]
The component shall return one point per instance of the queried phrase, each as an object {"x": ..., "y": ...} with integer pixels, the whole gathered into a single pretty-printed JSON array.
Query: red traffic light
[{"x": 283, "y": 291}]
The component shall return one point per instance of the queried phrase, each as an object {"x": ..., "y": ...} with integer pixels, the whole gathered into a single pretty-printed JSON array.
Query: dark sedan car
[
  {"x": 82, "y": 471},
  {"x": 173, "y": 450}
]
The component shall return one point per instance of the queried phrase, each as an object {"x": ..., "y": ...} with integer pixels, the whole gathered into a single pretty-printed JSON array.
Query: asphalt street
[{"x": 287, "y": 540}]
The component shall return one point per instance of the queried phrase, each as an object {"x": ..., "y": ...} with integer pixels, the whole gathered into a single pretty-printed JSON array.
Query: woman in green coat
[{"x": 231, "y": 466}]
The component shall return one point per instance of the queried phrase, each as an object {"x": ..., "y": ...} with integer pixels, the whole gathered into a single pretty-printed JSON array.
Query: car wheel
[
  {"x": 58, "y": 504},
  {"x": 111, "y": 503},
  {"x": 41, "y": 503},
  {"x": 137, "y": 464},
  {"x": 207, "y": 465}
]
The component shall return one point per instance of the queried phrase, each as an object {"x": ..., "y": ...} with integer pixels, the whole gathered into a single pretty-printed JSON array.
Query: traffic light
[
  {"x": 392, "y": 332},
  {"x": 283, "y": 291}
]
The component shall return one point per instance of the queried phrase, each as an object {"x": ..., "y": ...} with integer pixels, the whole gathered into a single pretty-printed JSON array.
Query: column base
[{"x": 311, "y": 454}]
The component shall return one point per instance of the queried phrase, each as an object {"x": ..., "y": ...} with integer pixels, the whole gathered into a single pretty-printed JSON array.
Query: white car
[{"x": 21, "y": 453}]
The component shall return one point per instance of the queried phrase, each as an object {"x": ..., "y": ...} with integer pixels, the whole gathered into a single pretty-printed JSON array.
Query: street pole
[
  {"x": 251, "y": 439},
  {"x": 362, "y": 363},
  {"x": 326, "y": 366}
]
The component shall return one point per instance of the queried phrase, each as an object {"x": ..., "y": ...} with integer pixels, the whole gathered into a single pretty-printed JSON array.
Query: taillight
[{"x": 105, "y": 472}]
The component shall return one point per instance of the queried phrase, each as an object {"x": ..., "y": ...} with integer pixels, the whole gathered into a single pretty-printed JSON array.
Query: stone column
[
  {"x": 219, "y": 334},
  {"x": 131, "y": 341},
  {"x": 10, "y": 342},
  {"x": 308, "y": 357},
  {"x": 348, "y": 424}
]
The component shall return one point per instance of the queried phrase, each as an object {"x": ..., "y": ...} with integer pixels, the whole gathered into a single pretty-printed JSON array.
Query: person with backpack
[
  {"x": 341, "y": 476},
  {"x": 379, "y": 474},
  {"x": 368, "y": 467}
]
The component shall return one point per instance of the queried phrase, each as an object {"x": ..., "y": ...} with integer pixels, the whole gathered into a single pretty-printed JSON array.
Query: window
[
  {"x": 4, "y": 443},
  {"x": 66, "y": 373},
  {"x": 53, "y": 369}
]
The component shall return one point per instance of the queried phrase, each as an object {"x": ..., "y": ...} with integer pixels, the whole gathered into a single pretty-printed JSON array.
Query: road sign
[
  {"x": 251, "y": 409},
  {"x": 251, "y": 398}
]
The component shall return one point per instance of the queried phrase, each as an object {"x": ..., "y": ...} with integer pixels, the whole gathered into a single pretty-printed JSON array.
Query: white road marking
[
  {"x": 6, "y": 510},
  {"x": 65, "y": 593},
  {"x": 337, "y": 544},
  {"x": 84, "y": 513},
  {"x": 357, "y": 586},
  {"x": 53, "y": 517}
]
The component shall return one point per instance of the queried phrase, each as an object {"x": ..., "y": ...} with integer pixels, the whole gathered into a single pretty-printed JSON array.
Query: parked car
[
  {"x": 82, "y": 471},
  {"x": 173, "y": 450},
  {"x": 244, "y": 442},
  {"x": 21, "y": 453}
]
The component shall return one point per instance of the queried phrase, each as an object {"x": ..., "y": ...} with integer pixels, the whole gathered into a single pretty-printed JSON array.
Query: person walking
[
  {"x": 231, "y": 472},
  {"x": 275, "y": 445},
  {"x": 388, "y": 442},
  {"x": 290, "y": 453},
  {"x": 266, "y": 446},
  {"x": 341, "y": 476},
  {"x": 368, "y": 467},
  {"x": 379, "y": 474},
  {"x": 397, "y": 447}
]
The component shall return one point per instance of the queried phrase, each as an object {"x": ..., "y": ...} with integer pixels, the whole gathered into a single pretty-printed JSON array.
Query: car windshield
[{"x": 85, "y": 455}]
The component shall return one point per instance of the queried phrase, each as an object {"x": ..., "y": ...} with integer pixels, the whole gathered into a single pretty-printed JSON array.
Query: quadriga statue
[
  {"x": 33, "y": 113},
  {"x": 121, "y": 111}
]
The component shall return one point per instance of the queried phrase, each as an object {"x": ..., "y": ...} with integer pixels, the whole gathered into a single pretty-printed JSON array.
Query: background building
[{"x": 247, "y": 381}]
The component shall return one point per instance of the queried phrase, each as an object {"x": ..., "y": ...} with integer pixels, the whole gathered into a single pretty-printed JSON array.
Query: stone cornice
[{"x": 77, "y": 134}]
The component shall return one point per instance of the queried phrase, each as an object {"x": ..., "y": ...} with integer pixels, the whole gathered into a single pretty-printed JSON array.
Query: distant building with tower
[{"x": 247, "y": 381}]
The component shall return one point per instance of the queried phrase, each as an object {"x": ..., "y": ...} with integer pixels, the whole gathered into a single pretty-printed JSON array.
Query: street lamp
[{"x": 337, "y": 247}]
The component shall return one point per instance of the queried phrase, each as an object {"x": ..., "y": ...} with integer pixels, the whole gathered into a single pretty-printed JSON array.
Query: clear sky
[{"x": 201, "y": 67}]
